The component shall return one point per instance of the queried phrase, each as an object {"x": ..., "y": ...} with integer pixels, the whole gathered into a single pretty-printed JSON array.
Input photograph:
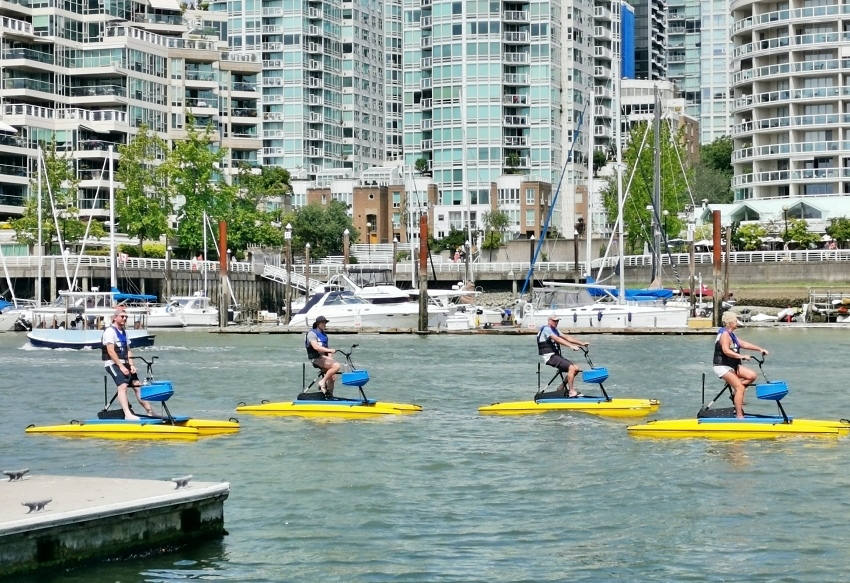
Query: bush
[
  {"x": 102, "y": 252},
  {"x": 151, "y": 250}
]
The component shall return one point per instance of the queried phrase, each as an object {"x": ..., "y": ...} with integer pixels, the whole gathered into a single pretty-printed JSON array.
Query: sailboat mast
[
  {"x": 656, "y": 188},
  {"x": 588, "y": 220},
  {"x": 205, "y": 253},
  {"x": 113, "y": 278},
  {"x": 465, "y": 182},
  {"x": 40, "y": 236},
  {"x": 621, "y": 297}
]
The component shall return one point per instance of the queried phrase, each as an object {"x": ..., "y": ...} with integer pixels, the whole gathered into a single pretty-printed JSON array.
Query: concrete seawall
[{"x": 89, "y": 518}]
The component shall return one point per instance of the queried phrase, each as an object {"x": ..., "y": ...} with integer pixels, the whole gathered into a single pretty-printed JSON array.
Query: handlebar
[{"x": 147, "y": 362}]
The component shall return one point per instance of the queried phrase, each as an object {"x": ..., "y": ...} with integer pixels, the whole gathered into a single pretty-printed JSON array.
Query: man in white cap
[
  {"x": 117, "y": 359},
  {"x": 320, "y": 355},
  {"x": 549, "y": 342}
]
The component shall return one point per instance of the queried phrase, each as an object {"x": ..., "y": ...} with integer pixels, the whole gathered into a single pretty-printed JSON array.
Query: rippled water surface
[{"x": 448, "y": 495}]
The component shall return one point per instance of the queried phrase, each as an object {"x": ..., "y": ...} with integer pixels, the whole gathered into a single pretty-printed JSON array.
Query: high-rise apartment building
[
  {"x": 650, "y": 39},
  {"x": 393, "y": 87},
  {"x": 91, "y": 76},
  {"x": 699, "y": 64},
  {"x": 789, "y": 109},
  {"x": 493, "y": 88}
]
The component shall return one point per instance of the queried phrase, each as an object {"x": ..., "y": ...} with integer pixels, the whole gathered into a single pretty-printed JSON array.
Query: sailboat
[
  {"x": 603, "y": 306},
  {"x": 77, "y": 319}
]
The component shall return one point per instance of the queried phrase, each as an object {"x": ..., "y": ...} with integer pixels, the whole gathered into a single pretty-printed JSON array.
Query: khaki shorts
[{"x": 323, "y": 362}]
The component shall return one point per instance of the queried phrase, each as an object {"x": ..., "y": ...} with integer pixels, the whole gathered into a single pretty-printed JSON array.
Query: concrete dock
[{"x": 51, "y": 521}]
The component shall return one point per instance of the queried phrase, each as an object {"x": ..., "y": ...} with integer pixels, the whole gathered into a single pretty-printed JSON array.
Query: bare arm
[
  {"x": 317, "y": 346},
  {"x": 751, "y": 346},
  {"x": 569, "y": 342}
]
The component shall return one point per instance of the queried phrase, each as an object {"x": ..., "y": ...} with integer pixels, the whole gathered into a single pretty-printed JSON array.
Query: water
[{"x": 448, "y": 495}]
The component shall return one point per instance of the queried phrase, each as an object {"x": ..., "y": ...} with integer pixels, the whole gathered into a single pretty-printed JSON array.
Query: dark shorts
[
  {"x": 120, "y": 378},
  {"x": 559, "y": 362}
]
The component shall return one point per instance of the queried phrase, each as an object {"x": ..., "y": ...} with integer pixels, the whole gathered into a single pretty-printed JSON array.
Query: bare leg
[
  {"x": 125, "y": 404},
  {"x": 147, "y": 406},
  {"x": 738, "y": 387},
  {"x": 328, "y": 380},
  {"x": 571, "y": 375}
]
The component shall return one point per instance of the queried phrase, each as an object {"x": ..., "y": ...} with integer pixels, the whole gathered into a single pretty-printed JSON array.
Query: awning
[
  {"x": 90, "y": 129},
  {"x": 165, "y": 4},
  {"x": 4, "y": 127}
]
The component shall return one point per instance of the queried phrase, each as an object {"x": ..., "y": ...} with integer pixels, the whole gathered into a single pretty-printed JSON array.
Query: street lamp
[
  {"x": 288, "y": 238},
  {"x": 666, "y": 214},
  {"x": 492, "y": 240},
  {"x": 307, "y": 271},
  {"x": 345, "y": 241},
  {"x": 229, "y": 257},
  {"x": 575, "y": 251},
  {"x": 785, "y": 214},
  {"x": 395, "y": 247},
  {"x": 369, "y": 239}
]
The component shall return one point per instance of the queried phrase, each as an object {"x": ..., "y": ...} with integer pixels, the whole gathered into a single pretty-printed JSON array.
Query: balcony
[
  {"x": 425, "y": 22},
  {"x": 602, "y": 33},
  {"x": 425, "y": 83},
  {"x": 426, "y": 103},
  {"x": 602, "y": 13},
  {"x": 515, "y": 16},
  {"x": 316, "y": 100},
  {"x": 515, "y": 79},
  {"x": 313, "y": 47},
  {"x": 602, "y": 53},
  {"x": 425, "y": 42},
  {"x": 515, "y": 37},
  {"x": 518, "y": 100},
  {"x": 601, "y": 71},
  {"x": 517, "y": 162},
  {"x": 427, "y": 144},
  {"x": 426, "y": 124},
  {"x": 314, "y": 117},
  {"x": 313, "y": 30},
  {"x": 516, "y": 141},
  {"x": 314, "y": 13},
  {"x": 315, "y": 65},
  {"x": 314, "y": 82},
  {"x": 243, "y": 112},
  {"x": 425, "y": 3},
  {"x": 516, "y": 120},
  {"x": 515, "y": 58},
  {"x": 425, "y": 63}
]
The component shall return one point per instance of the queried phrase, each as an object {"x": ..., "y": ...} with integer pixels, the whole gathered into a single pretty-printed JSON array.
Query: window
[{"x": 530, "y": 196}]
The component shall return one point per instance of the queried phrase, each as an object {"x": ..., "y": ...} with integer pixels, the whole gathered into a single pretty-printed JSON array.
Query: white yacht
[
  {"x": 194, "y": 310},
  {"x": 344, "y": 309}
]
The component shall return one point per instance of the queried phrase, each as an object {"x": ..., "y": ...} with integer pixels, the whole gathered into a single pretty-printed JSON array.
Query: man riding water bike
[
  {"x": 549, "y": 342},
  {"x": 319, "y": 354}
]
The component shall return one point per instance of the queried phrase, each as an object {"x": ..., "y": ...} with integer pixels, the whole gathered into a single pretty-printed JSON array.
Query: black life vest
[
  {"x": 547, "y": 345},
  {"x": 121, "y": 347},
  {"x": 723, "y": 359},
  {"x": 312, "y": 353}
]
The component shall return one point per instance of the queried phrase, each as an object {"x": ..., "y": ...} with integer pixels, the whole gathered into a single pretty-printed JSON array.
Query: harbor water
[{"x": 448, "y": 494}]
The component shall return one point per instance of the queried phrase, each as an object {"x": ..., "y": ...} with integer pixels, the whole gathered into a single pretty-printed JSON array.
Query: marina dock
[{"x": 53, "y": 521}]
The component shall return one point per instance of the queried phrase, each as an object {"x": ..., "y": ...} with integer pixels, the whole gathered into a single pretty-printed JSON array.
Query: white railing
[{"x": 378, "y": 257}]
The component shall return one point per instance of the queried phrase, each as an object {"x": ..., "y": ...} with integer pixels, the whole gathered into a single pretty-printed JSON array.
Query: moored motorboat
[
  {"x": 721, "y": 423},
  {"x": 316, "y": 404},
  {"x": 604, "y": 405},
  {"x": 110, "y": 424}
]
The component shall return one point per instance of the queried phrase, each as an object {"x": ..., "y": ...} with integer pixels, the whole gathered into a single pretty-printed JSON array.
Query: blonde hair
[{"x": 728, "y": 318}]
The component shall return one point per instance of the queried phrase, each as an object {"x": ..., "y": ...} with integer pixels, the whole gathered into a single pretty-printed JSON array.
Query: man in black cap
[
  {"x": 549, "y": 342},
  {"x": 320, "y": 355}
]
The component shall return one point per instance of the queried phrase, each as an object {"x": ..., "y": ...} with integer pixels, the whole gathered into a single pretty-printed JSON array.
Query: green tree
[
  {"x": 194, "y": 178},
  {"x": 718, "y": 154},
  {"x": 748, "y": 237},
  {"x": 711, "y": 184},
  {"x": 421, "y": 165},
  {"x": 142, "y": 206},
  {"x": 454, "y": 239},
  {"x": 512, "y": 162},
  {"x": 600, "y": 159},
  {"x": 59, "y": 193},
  {"x": 495, "y": 224},
  {"x": 270, "y": 182},
  {"x": 798, "y": 232},
  {"x": 322, "y": 226},
  {"x": 640, "y": 163},
  {"x": 839, "y": 229}
]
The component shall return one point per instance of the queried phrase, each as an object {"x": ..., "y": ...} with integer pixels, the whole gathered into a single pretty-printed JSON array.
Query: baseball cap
[{"x": 321, "y": 319}]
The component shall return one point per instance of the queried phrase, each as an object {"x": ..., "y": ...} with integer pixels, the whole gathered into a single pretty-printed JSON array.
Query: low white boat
[
  {"x": 77, "y": 319},
  {"x": 575, "y": 307},
  {"x": 343, "y": 309},
  {"x": 160, "y": 318},
  {"x": 18, "y": 313},
  {"x": 194, "y": 310}
]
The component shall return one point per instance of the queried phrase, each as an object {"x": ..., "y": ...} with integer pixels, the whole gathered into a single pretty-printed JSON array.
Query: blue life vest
[
  {"x": 312, "y": 353},
  {"x": 121, "y": 348}
]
